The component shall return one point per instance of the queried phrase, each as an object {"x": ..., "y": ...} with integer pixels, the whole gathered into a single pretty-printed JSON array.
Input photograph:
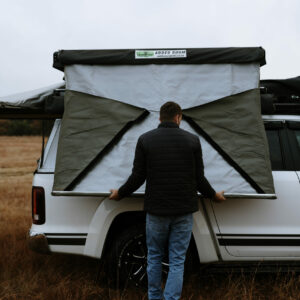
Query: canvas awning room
[
  {"x": 113, "y": 96},
  {"x": 43, "y": 103}
]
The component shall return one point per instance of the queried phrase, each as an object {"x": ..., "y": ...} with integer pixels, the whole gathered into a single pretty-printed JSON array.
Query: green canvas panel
[
  {"x": 88, "y": 125},
  {"x": 235, "y": 125}
]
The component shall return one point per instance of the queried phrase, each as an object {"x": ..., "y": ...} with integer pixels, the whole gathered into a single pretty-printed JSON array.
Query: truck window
[
  {"x": 294, "y": 138},
  {"x": 296, "y": 150},
  {"x": 281, "y": 146},
  {"x": 297, "y": 133},
  {"x": 275, "y": 149},
  {"x": 296, "y": 147}
]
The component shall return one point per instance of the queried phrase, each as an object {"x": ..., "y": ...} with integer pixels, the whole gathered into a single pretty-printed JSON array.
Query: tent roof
[
  {"x": 156, "y": 56},
  {"x": 34, "y": 96},
  {"x": 41, "y": 103}
]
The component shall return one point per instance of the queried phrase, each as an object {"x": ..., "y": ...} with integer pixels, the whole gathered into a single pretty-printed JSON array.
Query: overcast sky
[{"x": 31, "y": 30}]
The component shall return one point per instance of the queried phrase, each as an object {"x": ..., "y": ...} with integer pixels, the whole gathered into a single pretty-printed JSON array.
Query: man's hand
[
  {"x": 219, "y": 197},
  {"x": 114, "y": 195}
]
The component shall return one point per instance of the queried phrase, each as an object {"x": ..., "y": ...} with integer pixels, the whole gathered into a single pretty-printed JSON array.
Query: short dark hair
[{"x": 169, "y": 110}]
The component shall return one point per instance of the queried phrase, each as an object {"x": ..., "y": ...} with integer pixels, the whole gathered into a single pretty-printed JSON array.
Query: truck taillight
[{"x": 38, "y": 205}]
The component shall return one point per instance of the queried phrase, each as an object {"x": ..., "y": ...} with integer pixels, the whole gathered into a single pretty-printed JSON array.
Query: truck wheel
[{"x": 128, "y": 258}]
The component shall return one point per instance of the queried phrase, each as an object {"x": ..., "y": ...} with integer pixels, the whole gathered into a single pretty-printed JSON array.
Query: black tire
[
  {"x": 127, "y": 263},
  {"x": 127, "y": 260}
]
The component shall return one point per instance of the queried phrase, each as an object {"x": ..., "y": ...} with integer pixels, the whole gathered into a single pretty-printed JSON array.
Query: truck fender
[
  {"x": 102, "y": 220},
  {"x": 203, "y": 238}
]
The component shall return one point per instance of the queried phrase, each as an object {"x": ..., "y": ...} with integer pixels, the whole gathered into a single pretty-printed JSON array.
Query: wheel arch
[
  {"x": 113, "y": 216},
  {"x": 129, "y": 218},
  {"x": 119, "y": 223},
  {"x": 107, "y": 214}
]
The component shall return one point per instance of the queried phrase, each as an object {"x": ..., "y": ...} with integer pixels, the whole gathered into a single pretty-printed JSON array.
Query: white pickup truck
[
  {"x": 237, "y": 230},
  {"x": 248, "y": 227}
]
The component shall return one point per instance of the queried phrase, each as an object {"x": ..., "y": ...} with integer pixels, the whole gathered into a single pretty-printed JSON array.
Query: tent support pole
[
  {"x": 43, "y": 143},
  {"x": 141, "y": 195}
]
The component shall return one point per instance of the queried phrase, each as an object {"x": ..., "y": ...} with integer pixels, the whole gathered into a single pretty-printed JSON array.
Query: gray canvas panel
[
  {"x": 229, "y": 55},
  {"x": 150, "y": 86},
  {"x": 235, "y": 126},
  {"x": 89, "y": 124},
  {"x": 114, "y": 168}
]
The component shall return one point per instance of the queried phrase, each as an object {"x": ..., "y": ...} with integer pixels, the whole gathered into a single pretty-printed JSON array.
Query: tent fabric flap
[
  {"x": 234, "y": 127},
  {"x": 235, "y": 149},
  {"x": 114, "y": 168},
  {"x": 89, "y": 125}
]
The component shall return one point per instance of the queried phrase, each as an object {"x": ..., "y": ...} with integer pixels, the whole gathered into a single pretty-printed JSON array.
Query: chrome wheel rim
[{"x": 132, "y": 262}]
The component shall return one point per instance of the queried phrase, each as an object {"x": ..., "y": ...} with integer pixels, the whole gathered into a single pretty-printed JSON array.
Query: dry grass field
[{"x": 28, "y": 275}]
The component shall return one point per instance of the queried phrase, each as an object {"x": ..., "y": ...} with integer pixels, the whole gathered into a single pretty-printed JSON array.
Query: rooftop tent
[
  {"x": 113, "y": 96},
  {"x": 46, "y": 102},
  {"x": 282, "y": 87},
  {"x": 280, "y": 96}
]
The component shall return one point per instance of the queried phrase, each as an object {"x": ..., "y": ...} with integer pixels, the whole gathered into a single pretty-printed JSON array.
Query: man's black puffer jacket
[{"x": 170, "y": 160}]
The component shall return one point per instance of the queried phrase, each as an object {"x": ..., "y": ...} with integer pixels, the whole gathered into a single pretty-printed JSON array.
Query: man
[{"x": 170, "y": 160}]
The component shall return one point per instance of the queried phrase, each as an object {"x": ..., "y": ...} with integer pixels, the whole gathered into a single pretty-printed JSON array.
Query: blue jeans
[{"x": 172, "y": 233}]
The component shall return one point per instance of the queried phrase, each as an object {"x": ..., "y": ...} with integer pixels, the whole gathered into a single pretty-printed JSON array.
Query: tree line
[{"x": 25, "y": 127}]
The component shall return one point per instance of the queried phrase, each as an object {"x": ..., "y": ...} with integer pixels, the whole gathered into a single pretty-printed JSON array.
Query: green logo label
[
  {"x": 143, "y": 54},
  {"x": 168, "y": 53}
]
